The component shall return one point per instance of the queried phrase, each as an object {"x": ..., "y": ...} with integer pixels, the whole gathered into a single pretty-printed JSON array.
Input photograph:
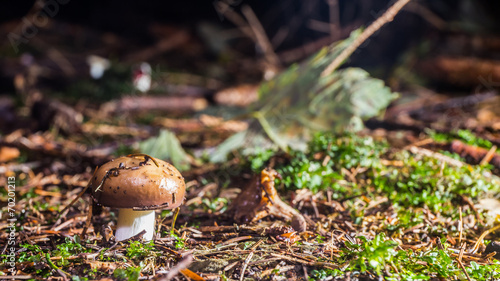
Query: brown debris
[
  {"x": 461, "y": 70},
  {"x": 8, "y": 153},
  {"x": 154, "y": 103},
  {"x": 475, "y": 154},
  {"x": 260, "y": 199},
  {"x": 203, "y": 123},
  {"x": 241, "y": 95}
]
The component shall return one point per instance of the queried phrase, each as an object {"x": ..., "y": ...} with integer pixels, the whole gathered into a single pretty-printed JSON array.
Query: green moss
[
  {"x": 465, "y": 136},
  {"x": 350, "y": 165}
]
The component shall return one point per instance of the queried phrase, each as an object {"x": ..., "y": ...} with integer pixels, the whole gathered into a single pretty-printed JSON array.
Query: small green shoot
[
  {"x": 138, "y": 250},
  {"x": 371, "y": 255},
  {"x": 127, "y": 274}
]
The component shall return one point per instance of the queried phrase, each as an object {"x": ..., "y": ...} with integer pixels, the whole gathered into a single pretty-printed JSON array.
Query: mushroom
[{"x": 137, "y": 188}]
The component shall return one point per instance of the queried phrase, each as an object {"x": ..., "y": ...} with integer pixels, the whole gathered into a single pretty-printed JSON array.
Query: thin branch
[
  {"x": 260, "y": 35},
  {"x": 334, "y": 13},
  {"x": 184, "y": 263},
  {"x": 388, "y": 16}
]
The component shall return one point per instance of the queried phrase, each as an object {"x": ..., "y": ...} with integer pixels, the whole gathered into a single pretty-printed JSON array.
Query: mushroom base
[{"x": 132, "y": 222}]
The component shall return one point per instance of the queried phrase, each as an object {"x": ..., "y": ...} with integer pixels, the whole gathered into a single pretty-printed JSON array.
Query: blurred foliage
[
  {"x": 465, "y": 136},
  {"x": 379, "y": 257},
  {"x": 115, "y": 82},
  {"x": 128, "y": 274},
  {"x": 166, "y": 146},
  {"x": 299, "y": 102},
  {"x": 137, "y": 250},
  {"x": 371, "y": 254}
]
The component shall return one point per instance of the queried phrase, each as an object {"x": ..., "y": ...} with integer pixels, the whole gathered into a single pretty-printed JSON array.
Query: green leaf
[
  {"x": 250, "y": 141},
  {"x": 166, "y": 146},
  {"x": 232, "y": 143}
]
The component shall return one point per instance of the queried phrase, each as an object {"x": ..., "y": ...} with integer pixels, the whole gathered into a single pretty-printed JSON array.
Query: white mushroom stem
[{"x": 132, "y": 222}]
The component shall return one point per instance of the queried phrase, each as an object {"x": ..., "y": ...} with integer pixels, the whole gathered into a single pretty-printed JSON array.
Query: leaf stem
[
  {"x": 269, "y": 131},
  {"x": 53, "y": 266}
]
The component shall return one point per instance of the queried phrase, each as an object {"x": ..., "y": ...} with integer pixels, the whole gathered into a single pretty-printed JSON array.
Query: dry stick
[
  {"x": 460, "y": 226},
  {"x": 441, "y": 157},
  {"x": 427, "y": 15},
  {"x": 249, "y": 257},
  {"x": 260, "y": 35},
  {"x": 87, "y": 222},
  {"x": 376, "y": 25},
  {"x": 61, "y": 214},
  {"x": 487, "y": 158},
  {"x": 184, "y": 263},
  {"x": 459, "y": 260},
  {"x": 61, "y": 61},
  {"x": 334, "y": 12},
  {"x": 245, "y": 264},
  {"x": 462, "y": 249},
  {"x": 16, "y": 277},
  {"x": 306, "y": 276},
  {"x": 480, "y": 239},
  {"x": 225, "y": 10},
  {"x": 136, "y": 237}
]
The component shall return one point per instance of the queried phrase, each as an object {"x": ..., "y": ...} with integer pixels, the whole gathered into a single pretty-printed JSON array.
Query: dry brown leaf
[{"x": 8, "y": 153}]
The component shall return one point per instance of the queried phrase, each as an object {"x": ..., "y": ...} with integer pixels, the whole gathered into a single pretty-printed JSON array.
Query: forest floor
[{"x": 412, "y": 196}]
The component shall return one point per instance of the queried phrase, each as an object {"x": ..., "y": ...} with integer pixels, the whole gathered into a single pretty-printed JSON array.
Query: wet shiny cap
[{"x": 139, "y": 183}]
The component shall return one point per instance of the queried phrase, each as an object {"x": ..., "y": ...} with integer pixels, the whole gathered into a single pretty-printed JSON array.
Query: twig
[
  {"x": 460, "y": 226},
  {"x": 462, "y": 249},
  {"x": 487, "y": 158},
  {"x": 476, "y": 154},
  {"x": 469, "y": 202},
  {"x": 439, "y": 244},
  {"x": 87, "y": 222},
  {"x": 135, "y": 237},
  {"x": 62, "y": 213},
  {"x": 189, "y": 275},
  {"x": 66, "y": 224},
  {"x": 420, "y": 143},
  {"x": 306, "y": 276},
  {"x": 233, "y": 240},
  {"x": 245, "y": 264},
  {"x": 480, "y": 239},
  {"x": 388, "y": 16},
  {"x": 441, "y": 157},
  {"x": 249, "y": 257},
  {"x": 260, "y": 35},
  {"x": 459, "y": 260},
  {"x": 17, "y": 277},
  {"x": 427, "y": 14},
  {"x": 171, "y": 42},
  {"x": 334, "y": 13},
  {"x": 23, "y": 167},
  {"x": 184, "y": 263},
  {"x": 226, "y": 10},
  {"x": 148, "y": 103},
  {"x": 61, "y": 61}
]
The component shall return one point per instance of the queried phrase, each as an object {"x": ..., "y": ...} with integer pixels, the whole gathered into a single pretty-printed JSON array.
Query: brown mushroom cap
[{"x": 137, "y": 183}]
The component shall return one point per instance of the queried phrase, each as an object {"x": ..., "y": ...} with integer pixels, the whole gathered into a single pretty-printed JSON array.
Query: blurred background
[
  {"x": 68, "y": 68},
  {"x": 195, "y": 35}
]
